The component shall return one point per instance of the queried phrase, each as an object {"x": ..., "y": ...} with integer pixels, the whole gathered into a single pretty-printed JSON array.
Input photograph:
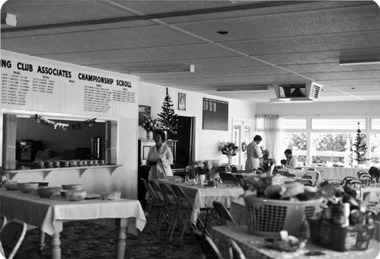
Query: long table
[
  {"x": 50, "y": 214},
  {"x": 253, "y": 246},
  {"x": 203, "y": 196}
]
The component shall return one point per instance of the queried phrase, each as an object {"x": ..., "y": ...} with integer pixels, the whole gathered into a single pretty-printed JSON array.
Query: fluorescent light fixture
[
  {"x": 290, "y": 100},
  {"x": 8, "y": 19},
  {"x": 243, "y": 88},
  {"x": 358, "y": 62},
  {"x": 161, "y": 70}
]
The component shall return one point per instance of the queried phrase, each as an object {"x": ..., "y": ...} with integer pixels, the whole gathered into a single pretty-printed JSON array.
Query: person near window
[
  {"x": 160, "y": 158},
  {"x": 291, "y": 161},
  {"x": 254, "y": 154}
]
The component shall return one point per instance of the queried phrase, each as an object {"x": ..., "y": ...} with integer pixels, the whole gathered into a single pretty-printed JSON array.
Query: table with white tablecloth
[
  {"x": 254, "y": 246},
  {"x": 49, "y": 214}
]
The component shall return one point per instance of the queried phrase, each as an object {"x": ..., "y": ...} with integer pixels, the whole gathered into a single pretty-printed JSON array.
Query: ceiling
[{"x": 267, "y": 42}]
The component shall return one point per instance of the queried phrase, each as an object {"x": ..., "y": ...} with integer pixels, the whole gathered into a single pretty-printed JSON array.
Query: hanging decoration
[
  {"x": 63, "y": 126},
  {"x": 167, "y": 119}
]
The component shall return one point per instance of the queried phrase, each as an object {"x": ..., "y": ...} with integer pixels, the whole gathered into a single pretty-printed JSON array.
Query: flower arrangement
[
  {"x": 198, "y": 167},
  {"x": 150, "y": 124},
  {"x": 228, "y": 148}
]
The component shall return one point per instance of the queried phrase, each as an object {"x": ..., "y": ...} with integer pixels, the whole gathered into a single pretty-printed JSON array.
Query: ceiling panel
[{"x": 268, "y": 42}]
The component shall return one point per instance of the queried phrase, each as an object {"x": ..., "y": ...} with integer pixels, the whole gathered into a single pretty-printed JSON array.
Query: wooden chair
[
  {"x": 11, "y": 237},
  {"x": 208, "y": 247},
  {"x": 234, "y": 250},
  {"x": 223, "y": 213}
]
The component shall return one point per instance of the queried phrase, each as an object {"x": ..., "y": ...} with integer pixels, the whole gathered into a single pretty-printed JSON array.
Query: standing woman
[
  {"x": 253, "y": 154},
  {"x": 160, "y": 158}
]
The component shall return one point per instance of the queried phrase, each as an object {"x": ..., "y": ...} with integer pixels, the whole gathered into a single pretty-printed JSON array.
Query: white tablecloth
[
  {"x": 204, "y": 196},
  {"x": 45, "y": 213},
  {"x": 253, "y": 246}
]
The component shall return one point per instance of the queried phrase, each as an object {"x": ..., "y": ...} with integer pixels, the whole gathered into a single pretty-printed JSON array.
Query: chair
[
  {"x": 223, "y": 213},
  {"x": 240, "y": 178},
  {"x": 185, "y": 210},
  {"x": 361, "y": 174},
  {"x": 315, "y": 177},
  {"x": 208, "y": 247},
  {"x": 228, "y": 178},
  {"x": 234, "y": 250},
  {"x": 165, "y": 212},
  {"x": 305, "y": 181},
  {"x": 3, "y": 221},
  {"x": 11, "y": 237},
  {"x": 173, "y": 207}
]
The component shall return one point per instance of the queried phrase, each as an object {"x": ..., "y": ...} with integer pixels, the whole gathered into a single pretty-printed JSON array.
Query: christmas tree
[
  {"x": 360, "y": 147},
  {"x": 167, "y": 119}
]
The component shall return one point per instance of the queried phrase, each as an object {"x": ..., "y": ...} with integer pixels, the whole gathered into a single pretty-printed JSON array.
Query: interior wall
[
  {"x": 206, "y": 141},
  {"x": 321, "y": 108}
]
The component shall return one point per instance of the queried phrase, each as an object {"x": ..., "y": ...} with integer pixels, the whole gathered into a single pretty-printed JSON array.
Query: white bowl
[{"x": 27, "y": 187}]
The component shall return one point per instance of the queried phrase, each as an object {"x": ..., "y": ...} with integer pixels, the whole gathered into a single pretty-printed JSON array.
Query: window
[
  {"x": 331, "y": 149},
  {"x": 329, "y": 141}
]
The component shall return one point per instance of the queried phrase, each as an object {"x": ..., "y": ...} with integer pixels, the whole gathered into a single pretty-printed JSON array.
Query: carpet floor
[{"x": 87, "y": 240}]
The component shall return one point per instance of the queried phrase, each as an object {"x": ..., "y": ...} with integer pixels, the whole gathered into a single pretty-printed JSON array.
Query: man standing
[{"x": 253, "y": 154}]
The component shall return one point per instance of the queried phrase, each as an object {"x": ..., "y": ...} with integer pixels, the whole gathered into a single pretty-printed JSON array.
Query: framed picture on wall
[
  {"x": 144, "y": 112},
  {"x": 181, "y": 101}
]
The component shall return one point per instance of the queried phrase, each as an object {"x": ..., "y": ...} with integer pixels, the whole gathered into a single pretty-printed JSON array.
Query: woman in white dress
[
  {"x": 254, "y": 154},
  {"x": 160, "y": 158}
]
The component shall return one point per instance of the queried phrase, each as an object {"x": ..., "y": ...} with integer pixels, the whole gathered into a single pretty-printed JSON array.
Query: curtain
[{"x": 268, "y": 127}]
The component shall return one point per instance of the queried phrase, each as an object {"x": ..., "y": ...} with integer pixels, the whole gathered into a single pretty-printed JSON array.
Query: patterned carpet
[{"x": 86, "y": 240}]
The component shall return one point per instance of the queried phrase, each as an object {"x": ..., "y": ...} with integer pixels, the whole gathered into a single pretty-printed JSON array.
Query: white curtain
[{"x": 268, "y": 127}]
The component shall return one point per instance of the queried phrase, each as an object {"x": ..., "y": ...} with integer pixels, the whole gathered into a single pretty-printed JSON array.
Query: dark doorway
[{"x": 185, "y": 138}]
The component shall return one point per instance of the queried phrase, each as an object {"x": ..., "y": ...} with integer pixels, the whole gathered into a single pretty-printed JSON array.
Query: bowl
[
  {"x": 42, "y": 184},
  {"x": 77, "y": 187},
  {"x": 45, "y": 192},
  {"x": 11, "y": 186},
  {"x": 27, "y": 187},
  {"x": 74, "y": 195}
]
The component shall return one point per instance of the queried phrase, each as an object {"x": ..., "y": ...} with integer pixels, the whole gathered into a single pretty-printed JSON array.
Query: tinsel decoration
[{"x": 64, "y": 126}]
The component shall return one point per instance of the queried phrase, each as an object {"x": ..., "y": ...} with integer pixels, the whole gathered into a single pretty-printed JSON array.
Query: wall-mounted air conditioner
[{"x": 298, "y": 92}]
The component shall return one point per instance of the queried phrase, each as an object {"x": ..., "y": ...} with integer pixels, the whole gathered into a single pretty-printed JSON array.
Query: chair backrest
[
  {"x": 223, "y": 213},
  {"x": 169, "y": 195},
  {"x": 234, "y": 250},
  {"x": 149, "y": 189},
  {"x": 183, "y": 200},
  {"x": 3, "y": 221},
  {"x": 208, "y": 247},
  {"x": 228, "y": 178},
  {"x": 157, "y": 190},
  {"x": 305, "y": 181},
  {"x": 360, "y": 174},
  {"x": 11, "y": 237},
  {"x": 240, "y": 178},
  {"x": 315, "y": 177}
]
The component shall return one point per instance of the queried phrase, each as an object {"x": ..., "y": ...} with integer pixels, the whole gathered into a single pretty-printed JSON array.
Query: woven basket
[{"x": 267, "y": 217}]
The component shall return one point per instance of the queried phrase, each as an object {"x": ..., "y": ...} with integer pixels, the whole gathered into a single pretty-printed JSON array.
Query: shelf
[{"x": 47, "y": 171}]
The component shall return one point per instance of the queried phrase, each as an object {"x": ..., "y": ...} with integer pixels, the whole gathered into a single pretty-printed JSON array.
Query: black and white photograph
[{"x": 227, "y": 129}]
